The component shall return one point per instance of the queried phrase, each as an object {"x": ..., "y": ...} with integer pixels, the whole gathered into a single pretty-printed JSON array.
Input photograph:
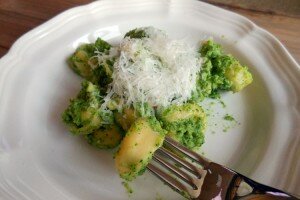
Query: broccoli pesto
[
  {"x": 136, "y": 33},
  {"x": 229, "y": 117},
  {"x": 231, "y": 122},
  {"x": 129, "y": 114},
  {"x": 86, "y": 63},
  {"x": 129, "y": 190},
  {"x": 106, "y": 137},
  {"x": 84, "y": 115},
  {"x": 185, "y": 123},
  {"x": 147, "y": 87},
  {"x": 220, "y": 72}
]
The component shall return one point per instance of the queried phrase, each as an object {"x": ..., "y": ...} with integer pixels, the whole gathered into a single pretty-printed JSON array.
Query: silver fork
[{"x": 202, "y": 179}]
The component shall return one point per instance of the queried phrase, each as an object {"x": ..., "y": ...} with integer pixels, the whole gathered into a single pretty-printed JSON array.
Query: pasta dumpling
[
  {"x": 86, "y": 63},
  {"x": 185, "y": 123},
  {"x": 143, "y": 138},
  {"x": 106, "y": 137},
  {"x": 84, "y": 115},
  {"x": 125, "y": 118}
]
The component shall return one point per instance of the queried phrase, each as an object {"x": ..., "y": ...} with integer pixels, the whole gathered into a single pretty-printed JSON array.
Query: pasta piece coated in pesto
[
  {"x": 143, "y": 138},
  {"x": 106, "y": 137},
  {"x": 220, "y": 72},
  {"x": 126, "y": 117},
  {"x": 84, "y": 115},
  {"x": 185, "y": 123},
  {"x": 85, "y": 62}
]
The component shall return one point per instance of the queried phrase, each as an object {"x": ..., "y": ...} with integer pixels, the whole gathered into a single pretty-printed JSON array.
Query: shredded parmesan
[
  {"x": 101, "y": 57},
  {"x": 154, "y": 69}
]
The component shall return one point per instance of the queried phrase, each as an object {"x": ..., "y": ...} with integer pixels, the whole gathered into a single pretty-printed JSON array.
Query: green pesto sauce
[
  {"x": 229, "y": 117},
  {"x": 156, "y": 126},
  {"x": 102, "y": 139},
  {"x": 83, "y": 114},
  {"x": 225, "y": 129},
  {"x": 222, "y": 103},
  {"x": 188, "y": 132},
  {"x": 84, "y": 63},
  {"x": 127, "y": 187},
  {"x": 136, "y": 33},
  {"x": 144, "y": 110},
  {"x": 220, "y": 72},
  {"x": 185, "y": 194},
  {"x": 189, "y": 127},
  {"x": 232, "y": 122}
]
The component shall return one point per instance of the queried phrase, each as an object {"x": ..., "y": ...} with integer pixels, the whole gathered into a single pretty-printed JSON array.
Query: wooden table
[{"x": 19, "y": 16}]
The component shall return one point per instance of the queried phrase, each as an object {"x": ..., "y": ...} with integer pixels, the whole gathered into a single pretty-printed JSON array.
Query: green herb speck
[
  {"x": 127, "y": 187},
  {"x": 229, "y": 118},
  {"x": 222, "y": 103}
]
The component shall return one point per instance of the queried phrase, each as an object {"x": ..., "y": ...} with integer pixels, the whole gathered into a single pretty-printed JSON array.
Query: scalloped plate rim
[{"x": 15, "y": 52}]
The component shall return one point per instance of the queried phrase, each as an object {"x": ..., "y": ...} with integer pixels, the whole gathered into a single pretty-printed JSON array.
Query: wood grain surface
[
  {"x": 277, "y": 7},
  {"x": 19, "y": 16}
]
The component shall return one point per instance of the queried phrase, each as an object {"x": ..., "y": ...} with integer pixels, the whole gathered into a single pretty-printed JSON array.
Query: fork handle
[{"x": 256, "y": 191}]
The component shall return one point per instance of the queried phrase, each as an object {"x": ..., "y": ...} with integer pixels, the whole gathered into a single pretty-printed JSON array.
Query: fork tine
[
  {"x": 204, "y": 162},
  {"x": 169, "y": 180},
  {"x": 190, "y": 167},
  {"x": 178, "y": 172}
]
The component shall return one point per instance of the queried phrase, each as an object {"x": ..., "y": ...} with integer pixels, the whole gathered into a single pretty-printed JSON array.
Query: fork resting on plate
[{"x": 202, "y": 179}]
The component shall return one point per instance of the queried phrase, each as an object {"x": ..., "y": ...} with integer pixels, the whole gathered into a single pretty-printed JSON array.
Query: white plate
[{"x": 39, "y": 159}]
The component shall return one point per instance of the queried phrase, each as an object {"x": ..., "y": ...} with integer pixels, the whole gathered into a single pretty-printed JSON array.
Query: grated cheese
[
  {"x": 154, "y": 69},
  {"x": 101, "y": 57}
]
